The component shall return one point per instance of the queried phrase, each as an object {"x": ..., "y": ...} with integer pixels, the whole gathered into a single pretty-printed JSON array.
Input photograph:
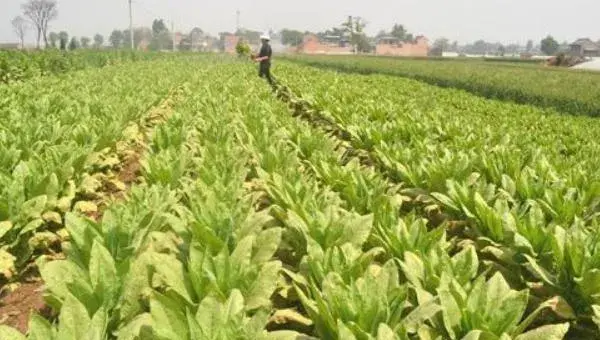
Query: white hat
[{"x": 265, "y": 36}]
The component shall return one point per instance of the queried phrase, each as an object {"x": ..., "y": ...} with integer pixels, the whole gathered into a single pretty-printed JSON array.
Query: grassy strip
[{"x": 564, "y": 90}]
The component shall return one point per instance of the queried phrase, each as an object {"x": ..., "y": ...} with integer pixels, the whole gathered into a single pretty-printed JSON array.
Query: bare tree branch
[
  {"x": 20, "y": 26},
  {"x": 41, "y": 12}
]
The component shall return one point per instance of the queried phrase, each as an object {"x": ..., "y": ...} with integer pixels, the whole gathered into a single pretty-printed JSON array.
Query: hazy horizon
[{"x": 507, "y": 21}]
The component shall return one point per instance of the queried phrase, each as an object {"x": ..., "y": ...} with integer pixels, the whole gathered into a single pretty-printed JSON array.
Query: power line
[{"x": 131, "y": 25}]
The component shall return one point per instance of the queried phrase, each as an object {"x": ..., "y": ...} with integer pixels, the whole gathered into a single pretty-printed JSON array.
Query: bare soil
[{"x": 17, "y": 306}]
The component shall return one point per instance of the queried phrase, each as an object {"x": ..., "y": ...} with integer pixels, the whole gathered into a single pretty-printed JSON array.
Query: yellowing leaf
[
  {"x": 52, "y": 216},
  {"x": 89, "y": 185},
  {"x": 85, "y": 207},
  {"x": 548, "y": 332},
  {"x": 5, "y": 226},
  {"x": 43, "y": 240},
  {"x": 64, "y": 204},
  {"x": 7, "y": 264},
  {"x": 289, "y": 316}
]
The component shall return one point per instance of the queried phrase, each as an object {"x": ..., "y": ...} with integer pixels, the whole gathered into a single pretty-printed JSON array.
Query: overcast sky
[{"x": 505, "y": 21}]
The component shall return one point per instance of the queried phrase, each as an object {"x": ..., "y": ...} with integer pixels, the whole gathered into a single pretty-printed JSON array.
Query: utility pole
[
  {"x": 131, "y": 25},
  {"x": 237, "y": 20},
  {"x": 173, "y": 30}
]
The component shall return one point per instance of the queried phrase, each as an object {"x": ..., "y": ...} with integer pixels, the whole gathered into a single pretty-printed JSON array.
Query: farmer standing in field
[{"x": 264, "y": 58}]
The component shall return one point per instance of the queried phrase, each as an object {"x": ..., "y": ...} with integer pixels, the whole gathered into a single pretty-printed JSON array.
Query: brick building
[
  {"x": 328, "y": 45},
  {"x": 391, "y": 46},
  {"x": 230, "y": 42}
]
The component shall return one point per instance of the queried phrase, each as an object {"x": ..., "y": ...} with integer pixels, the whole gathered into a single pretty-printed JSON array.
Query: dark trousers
[{"x": 264, "y": 71}]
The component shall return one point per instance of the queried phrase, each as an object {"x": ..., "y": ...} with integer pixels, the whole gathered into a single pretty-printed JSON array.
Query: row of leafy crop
[
  {"x": 187, "y": 256},
  {"x": 125, "y": 273},
  {"x": 378, "y": 274},
  {"x": 229, "y": 204},
  {"x": 564, "y": 90},
  {"x": 534, "y": 218},
  {"x": 443, "y": 126},
  {"x": 23, "y": 65},
  {"x": 351, "y": 262},
  {"x": 345, "y": 258},
  {"x": 59, "y": 137}
]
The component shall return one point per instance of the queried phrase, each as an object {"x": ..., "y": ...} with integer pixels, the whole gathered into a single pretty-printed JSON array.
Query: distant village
[
  {"x": 313, "y": 44},
  {"x": 420, "y": 46},
  {"x": 347, "y": 38}
]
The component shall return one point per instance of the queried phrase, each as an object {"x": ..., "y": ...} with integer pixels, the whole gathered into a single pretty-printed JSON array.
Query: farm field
[
  {"x": 569, "y": 91},
  {"x": 148, "y": 200},
  {"x": 19, "y": 65}
]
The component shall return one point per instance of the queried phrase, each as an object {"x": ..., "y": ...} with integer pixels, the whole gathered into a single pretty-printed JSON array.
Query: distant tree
[
  {"x": 399, "y": 32},
  {"x": 64, "y": 40},
  {"x": 85, "y": 42},
  {"x": 512, "y": 49},
  {"x": 54, "y": 38},
  {"x": 291, "y": 37},
  {"x": 20, "y": 27},
  {"x": 441, "y": 44},
  {"x": 197, "y": 31},
  {"x": 139, "y": 34},
  {"x": 161, "y": 38},
  {"x": 41, "y": 12},
  {"x": 158, "y": 27},
  {"x": 362, "y": 44},
  {"x": 185, "y": 44},
  {"x": 74, "y": 44},
  {"x": 564, "y": 47},
  {"x": 252, "y": 37},
  {"x": 454, "y": 46},
  {"x": 116, "y": 38},
  {"x": 222, "y": 35},
  {"x": 480, "y": 47},
  {"x": 529, "y": 46},
  {"x": 195, "y": 37},
  {"x": 549, "y": 45},
  {"x": 354, "y": 29},
  {"x": 381, "y": 34},
  {"x": 501, "y": 50},
  {"x": 127, "y": 39},
  {"x": 336, "y": 31},
  {"x": 98, "y": 40}
]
